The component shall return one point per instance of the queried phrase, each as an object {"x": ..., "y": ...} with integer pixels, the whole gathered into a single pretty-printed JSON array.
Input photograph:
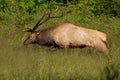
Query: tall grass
[{"x": 18, "y": 62}]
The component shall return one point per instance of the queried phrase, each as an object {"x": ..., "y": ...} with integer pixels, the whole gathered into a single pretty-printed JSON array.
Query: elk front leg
[{"x": 53, "y": 47}]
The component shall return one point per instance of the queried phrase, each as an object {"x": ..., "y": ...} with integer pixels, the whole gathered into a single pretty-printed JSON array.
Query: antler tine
[
  {"x": 45, "y": 20},
  {"x": 49, "y": 15},
  {"x": 28, "y": 30},
  {"x": 36, "y": 26},
  {"x": 60, "y": 15},
  {"x": 38, "y": 23},
  {"x": 56, "y": 9}
]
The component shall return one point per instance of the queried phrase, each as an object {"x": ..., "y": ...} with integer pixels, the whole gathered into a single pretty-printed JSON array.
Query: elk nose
[{"x": 25, "y": 43}]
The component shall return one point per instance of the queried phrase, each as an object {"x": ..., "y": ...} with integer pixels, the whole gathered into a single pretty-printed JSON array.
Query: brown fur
[{"x": 68, "y": 35}]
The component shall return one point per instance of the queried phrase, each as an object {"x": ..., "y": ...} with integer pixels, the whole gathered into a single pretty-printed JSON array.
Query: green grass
[{"x": 18, "y": 62}]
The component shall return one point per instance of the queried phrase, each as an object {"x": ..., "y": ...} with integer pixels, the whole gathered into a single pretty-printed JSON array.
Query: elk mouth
[{"x": 25, "y": 43}]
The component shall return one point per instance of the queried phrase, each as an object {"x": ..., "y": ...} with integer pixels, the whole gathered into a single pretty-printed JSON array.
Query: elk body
[{"x": 68, "y": 35}]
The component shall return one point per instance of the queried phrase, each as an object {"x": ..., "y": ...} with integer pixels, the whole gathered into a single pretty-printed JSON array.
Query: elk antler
[
  {"x": 37, "y": 24},
  {"x": 41, "y": 21}
]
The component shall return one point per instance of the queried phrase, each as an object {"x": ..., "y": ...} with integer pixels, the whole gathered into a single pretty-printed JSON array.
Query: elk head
[{"x": 33, "y": 36}]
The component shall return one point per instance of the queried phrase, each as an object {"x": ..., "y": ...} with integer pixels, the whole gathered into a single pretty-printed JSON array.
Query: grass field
[{"x": 18, "y": 62}]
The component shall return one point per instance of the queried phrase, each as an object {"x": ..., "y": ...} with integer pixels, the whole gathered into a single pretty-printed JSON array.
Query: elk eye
[{"x": 32, "y": 36}]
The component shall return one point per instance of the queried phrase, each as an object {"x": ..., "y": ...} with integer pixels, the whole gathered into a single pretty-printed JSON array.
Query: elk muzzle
[{"x": 27, "y": 41}]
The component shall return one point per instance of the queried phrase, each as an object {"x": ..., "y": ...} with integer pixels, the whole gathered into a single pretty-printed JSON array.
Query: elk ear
[{"x": 38, "y": 33}]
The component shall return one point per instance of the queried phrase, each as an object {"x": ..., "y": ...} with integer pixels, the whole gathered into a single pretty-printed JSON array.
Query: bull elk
[{"x": 66, "y": 35}]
